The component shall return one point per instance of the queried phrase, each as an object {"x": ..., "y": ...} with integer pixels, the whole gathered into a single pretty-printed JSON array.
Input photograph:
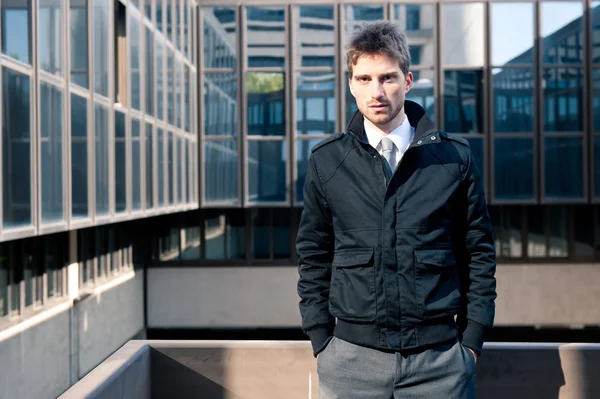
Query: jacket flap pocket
[
  {"x": 357, "y": 257},
  {"x": 435, "y": 256}
]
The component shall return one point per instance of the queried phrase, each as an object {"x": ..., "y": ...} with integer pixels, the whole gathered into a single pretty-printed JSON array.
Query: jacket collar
[{"x": 423, "y": 125}]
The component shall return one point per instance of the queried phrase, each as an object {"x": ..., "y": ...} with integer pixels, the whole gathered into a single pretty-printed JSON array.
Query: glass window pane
[
  {"x": 16, "y": 30},
  {"x": 79, "y": 157},
  {"x": 181, "y": 182},
  {"x": 513, "y": 100},
  {"x": 187, "y": 110},
  {"x": 50, "y": 36},
  {"x": 559, "y": 245},
  {"x": 303, "y": 149},
  {"x": 563, "y": 99},
  {"x": 563, "y": 167},
  {"x": 101, "y": 144},
  {"x": 584, "y": 231},
  {"x": 417, "y": 21},
  {"x": 513, "y": 168},
  {"x": 463, "y": 101},
  {"x": 315, "y": 103},
  {"x": 169, "y": 20},
  {"x": 136, "y": 166},
  {"x": 265, "y": 30},
  {"x": 422, "y": 91},
  {"x": 189, "y": 178},
  {"x": 178, "y": 83},
  {"x": 79, "y": 42},
  {"x": 511, "y": 244},
  {"x": 266, "y": 103},
  {"x": 536, "y": 235},
  {"x": 161, "y": 167},
  {"x": 16, "y": 149},
  {"x": 464, "y": 33},
  {"x": 170, "y": 88},
  {"x": 261, "y": 233},
  {"x": 4, "y": 278},
  {"x": 477, "y": 150},
  {"x": 220, "y": 104},
  {"x": 160, "y": 101},
  {"x": 148, "y": 9},
  {"x": 186, "y": 29},
  {"x": 101, "y": 47},
  {"x": 214, "y": 234},
  {"x": 496, "y": 219},
  {"x": 171, "y": 168},
  {"x": 169, "y": 244},
  {"x": 219, "y": 44},
  {"x": 512, "y": 33},
  {"x": 120, "y": 162},
  {"x": 150, "y": 162},
  {"x": 190, "y": 243},
  {"x": 221, "y": 170},
  {"x": 149, "y": 72},
  {"x": 315, "y": 36},
  {"x": 134, "y": 61},
  {"x": 596, "y": 97},
  {"x": 596, "y": 166},
  {"x": 51, "y": 146},
  {"x": 595, "y": 11},
  {"x": 562, "y": 38},
  {"x": 236, "y": 234},
  {"x": 355, "y": 15},
  {"x": 267, "y": 171},
  {"x": 281, "y": 233},
  {"x": 159, "y": 15}
]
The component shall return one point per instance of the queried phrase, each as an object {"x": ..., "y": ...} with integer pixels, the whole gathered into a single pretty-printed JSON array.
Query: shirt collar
[{"x": 400, "y": 136}]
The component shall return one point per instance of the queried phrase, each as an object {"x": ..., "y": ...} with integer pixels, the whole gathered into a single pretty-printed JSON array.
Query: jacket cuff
[
  {"x": 319, "y": 338},
  {"x": 474, "y": 335}
]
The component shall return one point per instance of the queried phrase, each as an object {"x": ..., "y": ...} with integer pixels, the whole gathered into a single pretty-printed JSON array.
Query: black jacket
[{"x": 389, "y": 264}]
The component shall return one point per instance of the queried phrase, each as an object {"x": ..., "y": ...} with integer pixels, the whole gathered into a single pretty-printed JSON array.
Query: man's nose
[{"x": 376, "y": 89}]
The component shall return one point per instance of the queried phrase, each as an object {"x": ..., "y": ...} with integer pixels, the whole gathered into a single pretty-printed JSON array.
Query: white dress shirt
[{"x": 402, "y": 136}]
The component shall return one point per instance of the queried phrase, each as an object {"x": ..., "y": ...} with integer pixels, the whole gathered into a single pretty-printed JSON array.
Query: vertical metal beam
[{"x": 538, "y": 122}]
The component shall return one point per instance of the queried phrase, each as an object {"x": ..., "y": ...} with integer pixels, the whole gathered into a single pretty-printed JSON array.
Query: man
[{"x": 395, "y": 249}]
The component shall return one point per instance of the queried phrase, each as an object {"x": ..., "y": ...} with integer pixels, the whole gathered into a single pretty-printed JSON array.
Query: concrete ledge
[{"x": 283, "y": 369}]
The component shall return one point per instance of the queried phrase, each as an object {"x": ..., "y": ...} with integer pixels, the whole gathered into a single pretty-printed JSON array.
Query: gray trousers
[{"x": 349, "y": 371}]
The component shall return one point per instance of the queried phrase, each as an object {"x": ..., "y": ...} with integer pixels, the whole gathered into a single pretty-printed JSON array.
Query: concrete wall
[
  {"x": 43, "y": 356},
  {"x": 222, "y": 297}
]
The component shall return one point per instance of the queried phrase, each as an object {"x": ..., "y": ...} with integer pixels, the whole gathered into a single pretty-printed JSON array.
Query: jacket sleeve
[
  {"x": 314, "y": 248},
  {"x": 481, "y": 256}
]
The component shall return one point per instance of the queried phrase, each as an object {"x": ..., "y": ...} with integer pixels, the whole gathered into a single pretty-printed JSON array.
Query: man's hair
[{"x": 381, "y": 37}]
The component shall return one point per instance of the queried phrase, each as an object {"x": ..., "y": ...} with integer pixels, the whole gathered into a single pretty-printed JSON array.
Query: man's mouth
[{"x": 378, "y": 107}]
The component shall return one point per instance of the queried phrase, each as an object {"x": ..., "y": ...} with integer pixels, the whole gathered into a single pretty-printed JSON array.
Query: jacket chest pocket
[
  {"x": 436, "y": 282},
  {"x": 352, "y": 292}
]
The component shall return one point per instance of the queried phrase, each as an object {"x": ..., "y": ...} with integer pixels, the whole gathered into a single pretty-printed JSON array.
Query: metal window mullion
[
  {"x": 439, "y": 73},
  {"x": 288, "y": 84},
  {"x": 111, "y": 111},
  {"x": 243, "y": 96},
  {"x": 538, "y": 105},
  {"x": 36, "y": 183},
  {"x": 487, "y": 111},
  {"x": 588, "y": 95},
  {"x": 66, "y": 112}
]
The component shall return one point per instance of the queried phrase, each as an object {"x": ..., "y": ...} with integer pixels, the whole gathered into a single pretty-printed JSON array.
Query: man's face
[{"x": 379, "y": 87}]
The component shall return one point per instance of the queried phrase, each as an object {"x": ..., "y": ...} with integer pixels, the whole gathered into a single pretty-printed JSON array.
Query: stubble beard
[{"x": 382, "y": 120}]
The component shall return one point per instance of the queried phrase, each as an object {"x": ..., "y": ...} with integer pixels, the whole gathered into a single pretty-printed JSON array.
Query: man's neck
[{"x": 384, "y": 130}]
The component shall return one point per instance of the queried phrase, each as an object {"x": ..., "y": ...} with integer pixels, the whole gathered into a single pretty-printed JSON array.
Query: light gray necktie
[{"x": 387, "y": 151}]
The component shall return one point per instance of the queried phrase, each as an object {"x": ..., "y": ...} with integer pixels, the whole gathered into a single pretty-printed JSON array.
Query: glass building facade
[
  {"x": 99, "y": 126},
  {"x": 518, "y": 80}
]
